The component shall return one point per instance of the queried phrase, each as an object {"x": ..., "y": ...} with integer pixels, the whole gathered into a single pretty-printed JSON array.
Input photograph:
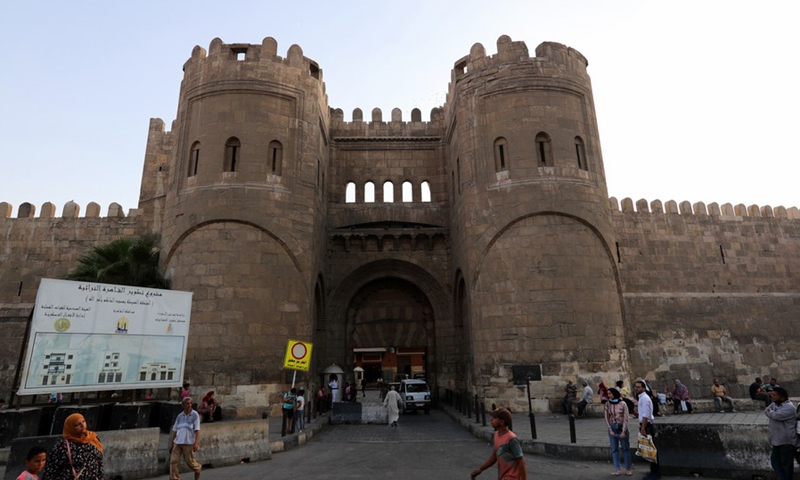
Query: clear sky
[{"x": 696, "y": 100}]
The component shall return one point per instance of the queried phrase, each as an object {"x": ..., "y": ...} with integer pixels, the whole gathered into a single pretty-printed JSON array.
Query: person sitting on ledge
[
  {"x": 720, "y": 395},
  {"x": 680, "y": 397},
  {"x": 757, "y": 393}
]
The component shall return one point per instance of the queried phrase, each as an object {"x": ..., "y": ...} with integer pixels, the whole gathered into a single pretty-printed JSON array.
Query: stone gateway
[{"x": 456, "y": 249}]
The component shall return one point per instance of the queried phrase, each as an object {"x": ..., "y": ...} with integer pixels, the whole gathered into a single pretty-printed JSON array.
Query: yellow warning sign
[{"x": 298, "y": 355}]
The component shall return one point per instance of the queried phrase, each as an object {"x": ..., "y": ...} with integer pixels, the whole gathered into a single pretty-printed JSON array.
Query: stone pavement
[{"x": 553, "y": 432}]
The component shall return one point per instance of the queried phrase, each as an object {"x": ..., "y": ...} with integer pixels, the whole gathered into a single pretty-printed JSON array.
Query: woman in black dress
[{"x": 78, "y": 455}]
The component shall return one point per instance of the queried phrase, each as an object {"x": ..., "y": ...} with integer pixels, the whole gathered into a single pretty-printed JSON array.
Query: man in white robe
[{"x": 393, "y": 402}]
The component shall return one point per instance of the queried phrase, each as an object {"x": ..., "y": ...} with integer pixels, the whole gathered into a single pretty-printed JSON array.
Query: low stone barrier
[
  {"x": 130, "y": 454},
  {"x": 134, "y": 453},
  {"x": 738, "y": 452}
]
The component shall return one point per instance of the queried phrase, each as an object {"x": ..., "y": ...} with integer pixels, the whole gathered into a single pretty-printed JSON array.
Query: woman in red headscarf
[
  {"x": 80, "y": 455},
  {"x": 210, "y": 409}
]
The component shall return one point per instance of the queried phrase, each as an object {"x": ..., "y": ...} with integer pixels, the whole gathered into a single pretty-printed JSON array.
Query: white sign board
[{"x": 93, "y": 336}]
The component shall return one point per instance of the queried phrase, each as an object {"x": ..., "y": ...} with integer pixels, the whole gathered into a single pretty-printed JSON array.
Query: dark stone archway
[{"x": 387, "y": 303}]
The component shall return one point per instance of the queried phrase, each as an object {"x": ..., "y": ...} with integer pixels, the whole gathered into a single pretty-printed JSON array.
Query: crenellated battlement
[
  {"x": 231, "y": 61},
  {"x": 553, "y": 60},
  {"x": 69, "y": 210},
  {"x": 379, "y": 128},
  {"x": 686, "y": 208}
]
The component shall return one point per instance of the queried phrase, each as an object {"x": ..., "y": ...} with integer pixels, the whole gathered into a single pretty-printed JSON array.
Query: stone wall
[
  {"x": 710, "y": 296},
  {"x": 42, "y": 247}
]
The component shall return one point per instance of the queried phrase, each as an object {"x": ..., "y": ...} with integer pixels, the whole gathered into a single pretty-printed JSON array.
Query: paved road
[{"x": 422, "y": 447}]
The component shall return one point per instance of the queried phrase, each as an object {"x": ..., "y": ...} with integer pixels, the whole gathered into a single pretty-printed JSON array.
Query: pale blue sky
[{"x": 696, "y": 100}]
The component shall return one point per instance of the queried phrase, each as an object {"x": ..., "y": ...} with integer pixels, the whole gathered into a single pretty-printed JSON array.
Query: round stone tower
[
  {"x": 242, "y": 224},
  {"x": 533, "y": 250}
]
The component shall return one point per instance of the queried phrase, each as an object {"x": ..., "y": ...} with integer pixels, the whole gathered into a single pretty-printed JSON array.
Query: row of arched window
[
  {"x": 544, "y": 152},
  {"x": 232, "y": 157},
  {"x": 407, "y": 190}
]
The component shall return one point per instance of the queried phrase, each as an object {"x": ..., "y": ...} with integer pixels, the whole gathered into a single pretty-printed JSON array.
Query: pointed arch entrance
[
  {"x": 390, "y": 326},
  {"x": 384, "y": 316}
]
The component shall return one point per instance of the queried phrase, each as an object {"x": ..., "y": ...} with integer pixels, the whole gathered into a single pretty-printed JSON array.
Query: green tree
[{"x": 124, "y": 261}]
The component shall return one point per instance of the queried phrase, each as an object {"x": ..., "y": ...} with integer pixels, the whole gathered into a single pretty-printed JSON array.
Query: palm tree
[{"x": 124, "y": 261}]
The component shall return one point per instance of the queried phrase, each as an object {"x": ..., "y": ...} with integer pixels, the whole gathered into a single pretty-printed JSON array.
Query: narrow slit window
[
  {"x": 544, "y": 150},
  {"x": 194, "y": 159},
  {"x": 275, "y": 157},
  {"x": 500, "y": 154},
  {"x": 232, "y": 150},
  {"x": 580, "y": 153}
]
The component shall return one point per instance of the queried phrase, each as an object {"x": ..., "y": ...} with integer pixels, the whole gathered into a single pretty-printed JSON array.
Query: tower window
[
  {"x": 580, "y": 153},
  {"x": 500, "y": 154},
  {"x": 194, "y": 159},
  {"x": 232, "y": 148},
  {"x": 350, "y": 193},
  {"x": 544, "y": 150},
  {"x": 275, "y": 152}
]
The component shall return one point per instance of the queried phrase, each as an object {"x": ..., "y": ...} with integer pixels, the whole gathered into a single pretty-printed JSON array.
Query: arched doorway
[{"x": 390, "y": 329}]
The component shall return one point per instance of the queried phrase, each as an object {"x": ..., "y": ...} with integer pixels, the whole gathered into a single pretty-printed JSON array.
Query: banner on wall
[{"x": 93, "y": 336}]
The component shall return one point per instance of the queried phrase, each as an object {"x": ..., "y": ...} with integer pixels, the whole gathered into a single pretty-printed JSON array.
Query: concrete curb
[{"x": 297, "y": 439}]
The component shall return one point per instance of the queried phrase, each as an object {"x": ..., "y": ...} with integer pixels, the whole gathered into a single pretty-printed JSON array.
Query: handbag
[
  {"x": 646, "y": 448},
  {"x": 683, "y": 405}
]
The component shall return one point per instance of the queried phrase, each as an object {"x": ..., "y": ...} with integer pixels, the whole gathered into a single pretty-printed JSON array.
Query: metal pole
[
  {"x": 477, "y": 409},
  {"x": 483, "y": 414},
  {"x": 572, "y": 438},
  {"x": 530, "y": 411},
  {"x": 468, "y": 405}
]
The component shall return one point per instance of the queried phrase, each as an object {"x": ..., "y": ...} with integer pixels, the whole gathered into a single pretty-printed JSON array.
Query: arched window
[
  {"x": 580, "y": 153},
  {"x": 275, "y": 157},
  {"x": 369, "y": 192},
  {"x": 544, "y": 150},
  {"x": 500, "y": 154},
  {"x": 408, "y": 192},
  {"x": 425, "y": 193},
  {"x": 388, "y": 192},
  {"x": 194, "y": 159},
  {"x": 350, "y": 193},
  {"x": 232, "y": 148}
]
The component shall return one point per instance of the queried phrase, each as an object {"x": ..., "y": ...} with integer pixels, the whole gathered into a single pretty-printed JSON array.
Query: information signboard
[{"x": 93, "y": 336}]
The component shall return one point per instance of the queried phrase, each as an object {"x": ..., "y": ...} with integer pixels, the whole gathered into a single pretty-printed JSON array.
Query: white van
[{"x": 416, "y": 395}]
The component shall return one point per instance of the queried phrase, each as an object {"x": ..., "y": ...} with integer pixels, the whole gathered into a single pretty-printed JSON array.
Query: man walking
[
  {"x": 646, "y": 426},
  {"x": 507, "y": 450},
  {"x": 782, "y": 432},
  {"x": 184, "y": 440},
  {"x": 393, "y": 402}
]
